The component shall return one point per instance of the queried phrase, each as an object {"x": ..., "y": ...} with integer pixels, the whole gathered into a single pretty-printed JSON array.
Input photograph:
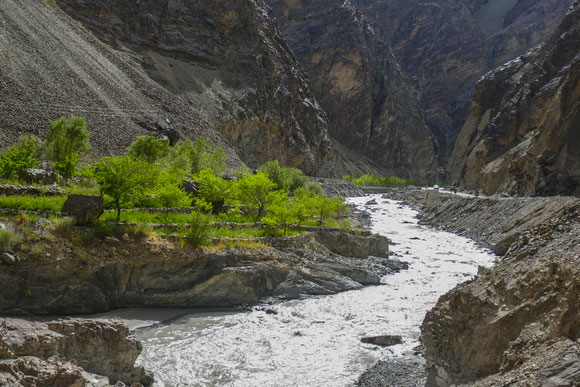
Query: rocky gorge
[{"x": 516, "y": 322}]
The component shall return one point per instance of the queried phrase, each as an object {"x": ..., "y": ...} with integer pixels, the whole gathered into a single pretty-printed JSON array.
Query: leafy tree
[
  {"x": 302, "y": 207},
  {"x": 125, "y": 178},
  {"x": 149, "y": 148},
  {"x": 169, "y": 190},
  {"x": 20, "y": 157},
  {"x": 286, "y": 178},
  {"x": 214, "y": 190},
  {"x": 325, "y": 207},
  {"x": 66, "y": 142},
  {"x": 196, "y": 156},
  {"x": 280, "y": 212},
  {"x": 254, "y": 191}
]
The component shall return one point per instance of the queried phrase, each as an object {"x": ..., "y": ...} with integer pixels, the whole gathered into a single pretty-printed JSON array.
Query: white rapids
[{"x": 316, "y": 341}]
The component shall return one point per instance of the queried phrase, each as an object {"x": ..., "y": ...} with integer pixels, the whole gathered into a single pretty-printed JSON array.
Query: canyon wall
[{"x": 523, "y": 133}]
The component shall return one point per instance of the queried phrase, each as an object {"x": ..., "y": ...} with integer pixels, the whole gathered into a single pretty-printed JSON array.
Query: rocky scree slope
[
  {"x": 52, "y": 67},
  {"x": 71, "y": 352},
  {"x": 516, "y": 323},
  {"x": 359, "y": 84},
  {"x": 523, "y": 133},
  {"x": 156, "y": 273},
  {"x": 227, "y": 59},
  {"x": 444, "y": 46}
]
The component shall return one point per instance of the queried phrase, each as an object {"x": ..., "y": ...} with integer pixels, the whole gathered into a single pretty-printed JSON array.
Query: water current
[{"x": 316, "y": 341}]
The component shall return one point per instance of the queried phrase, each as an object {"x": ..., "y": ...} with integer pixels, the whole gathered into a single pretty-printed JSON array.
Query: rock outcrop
[
  {"x": 523, "y": 133},
  {"x": 110, "y": 274},
  {"x": 85, "y": 209},
  {"x": 371, "y": 109},
  {"x": 229, "y": 62},
  {"x": 52, "y": 67},
  {"x": 517, "y": 322},
  {"x": 71, "y": 352}
]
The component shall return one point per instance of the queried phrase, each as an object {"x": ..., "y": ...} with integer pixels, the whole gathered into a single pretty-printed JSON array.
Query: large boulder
[
  {"x": 84, "y": 209},
  {"x": 40, "y": 176}
]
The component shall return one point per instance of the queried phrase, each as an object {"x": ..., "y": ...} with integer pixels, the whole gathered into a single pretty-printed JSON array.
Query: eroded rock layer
[
  {"x": 523, "y": 133},
  {"x": 116, "y": 274}
]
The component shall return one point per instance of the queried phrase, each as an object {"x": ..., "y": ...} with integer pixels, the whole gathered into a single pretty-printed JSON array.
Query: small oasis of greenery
[{"x": 179, "y": 189}]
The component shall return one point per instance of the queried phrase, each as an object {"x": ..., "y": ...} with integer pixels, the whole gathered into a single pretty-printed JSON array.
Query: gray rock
[
  {"x": 383, "y": 341},
  {"x": 85, "y": 209},
  {"x": 40, "y": 176}
]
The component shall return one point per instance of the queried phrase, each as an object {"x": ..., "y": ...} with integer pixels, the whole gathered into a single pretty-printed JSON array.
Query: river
[{"x": 316, "y": 341}]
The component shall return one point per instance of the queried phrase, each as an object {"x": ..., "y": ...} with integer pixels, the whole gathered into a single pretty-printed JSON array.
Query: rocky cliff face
[
  {"x": 359, "y": 83},
  {"x": 72, "y": 352},
  {"x": 228, "y": 61},
  {"x": 523, "y": 133},
  {"x": 51, "y": 67},
  {"x": 446, "y": 45}
]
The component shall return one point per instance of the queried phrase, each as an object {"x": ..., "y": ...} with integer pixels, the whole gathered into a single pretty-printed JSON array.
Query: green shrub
[
  {"x": 254, "y": 191},
  {"x": 20, "y": 157},
  {"x": 377, "y": 181},
  {"x": 9, "y": 239},
  {"x": 198, "y": 233}
]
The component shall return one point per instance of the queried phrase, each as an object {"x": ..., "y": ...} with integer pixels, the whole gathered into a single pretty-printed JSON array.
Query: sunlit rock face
[
  {"x": 523, "y": 133},
  {"x": 359, "y": 83},
  {"x": 228, "y": 60}
]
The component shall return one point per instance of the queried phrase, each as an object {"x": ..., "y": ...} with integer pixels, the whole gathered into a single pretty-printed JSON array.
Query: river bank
[{"x": 517, "y": 322}]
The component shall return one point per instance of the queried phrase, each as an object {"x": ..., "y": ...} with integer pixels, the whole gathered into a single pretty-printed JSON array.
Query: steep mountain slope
[
  {"x": 446, "y": 45},
  {"x": 523, "y": 133},
  {"x": 51, "y": 67},
  {"x": 359, "y": 84},
  {"x": 228, "y": 60}
]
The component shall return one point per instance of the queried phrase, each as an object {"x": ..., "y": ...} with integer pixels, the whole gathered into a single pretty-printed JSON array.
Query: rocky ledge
[
  {"x": 109, "y": 273},
  {"x": 516, "y": 323},
  {"x": 71, "y": 352}
]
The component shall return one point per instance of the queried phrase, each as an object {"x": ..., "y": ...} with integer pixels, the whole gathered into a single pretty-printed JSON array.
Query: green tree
[
  {"x": 254, "y": 192},
  {"x": 169, "y": 190},
  {"x": 325, "y": 207},
  {"x": 280, "y": 212},
  {"x": 196, "y": 156},
  {"x": 20, "y": 157},
  {"x": 66, "y": 143},
  {"x": 149, "y": 148},
  {"x": 125, "y": 178},
  {"x": 214, "y": 190},
  {"x": 286, "y": 178}
]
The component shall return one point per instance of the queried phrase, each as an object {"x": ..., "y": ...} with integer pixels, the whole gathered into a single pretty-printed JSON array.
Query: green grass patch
[{"x": 32, "y": 203}]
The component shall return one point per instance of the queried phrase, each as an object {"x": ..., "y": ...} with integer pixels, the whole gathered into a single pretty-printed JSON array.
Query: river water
[{"x": 316, "y": 341}]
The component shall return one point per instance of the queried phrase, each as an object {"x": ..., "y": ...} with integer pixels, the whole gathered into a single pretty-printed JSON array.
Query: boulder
[
  {"x": 383, "y": 341},
  {"x": 84, "y": 209},
  {"x": 191, "y": 187},
  {"x": 40, "y": 176}
]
